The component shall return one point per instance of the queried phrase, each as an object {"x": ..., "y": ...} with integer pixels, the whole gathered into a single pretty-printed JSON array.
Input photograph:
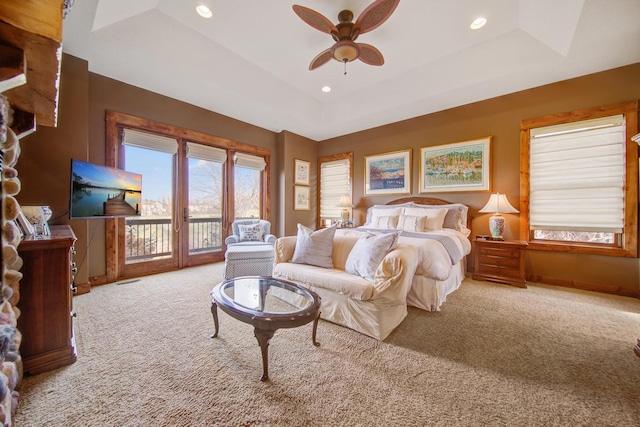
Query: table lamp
[
  {"x": 345, "y": 204},
  {"x": 498, "y": 204}
]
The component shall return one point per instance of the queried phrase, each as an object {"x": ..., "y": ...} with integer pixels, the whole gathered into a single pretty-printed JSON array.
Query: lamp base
[
  {"x": 344, "y": 216},
  {"x": 496, "y": 226}
]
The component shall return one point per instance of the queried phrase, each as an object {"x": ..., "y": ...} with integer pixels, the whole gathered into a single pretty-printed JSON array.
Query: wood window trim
[
  {"x": 114, "y": 151},
  {"x": 331, "y": 158},
  {"x": 629, "y": 243}
]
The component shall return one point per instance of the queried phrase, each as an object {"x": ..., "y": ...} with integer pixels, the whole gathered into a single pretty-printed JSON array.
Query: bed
[{"x": 439, "y": 230}]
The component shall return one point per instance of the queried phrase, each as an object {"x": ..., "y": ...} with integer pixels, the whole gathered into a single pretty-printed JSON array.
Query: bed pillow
[
  {"x": 368, "y": 253},
  {"x": 385, "y": 222},
  {"x": 314, "y": 247},
  {"x": 410, "y": 223},
  {"x": 250, "y": 233},
  {"x": 456, "y": 217},
  {"x": 434, "y": 218},
  {"x": 383, "y": 210}
]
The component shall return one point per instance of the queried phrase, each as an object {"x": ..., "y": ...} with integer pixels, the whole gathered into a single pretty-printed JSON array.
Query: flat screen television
[{"x": 103, "y": 192}]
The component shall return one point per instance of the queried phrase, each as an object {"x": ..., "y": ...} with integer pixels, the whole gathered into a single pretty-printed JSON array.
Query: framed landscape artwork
[
  {"x": 388, "y": 173},
  {"x": 301, "y": 170},
  {"x": 463, "y": 166},
  {"x": 301, "y": 198}
]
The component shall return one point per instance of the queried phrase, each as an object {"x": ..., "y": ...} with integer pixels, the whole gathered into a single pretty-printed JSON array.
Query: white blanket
[{"x": 434, "y": 261}]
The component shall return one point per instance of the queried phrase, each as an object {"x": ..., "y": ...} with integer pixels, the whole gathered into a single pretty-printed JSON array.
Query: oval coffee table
[{"x": 268, "y": 304}]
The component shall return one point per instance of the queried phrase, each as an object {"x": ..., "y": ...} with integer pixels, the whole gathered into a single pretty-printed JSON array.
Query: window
[
  {"x": 577, "y": 196},
  {"x": 335, "y": 181}
]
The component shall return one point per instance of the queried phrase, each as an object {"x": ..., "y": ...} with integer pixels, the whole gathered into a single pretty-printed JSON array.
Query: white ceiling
[{"x": 250, "y": 61}]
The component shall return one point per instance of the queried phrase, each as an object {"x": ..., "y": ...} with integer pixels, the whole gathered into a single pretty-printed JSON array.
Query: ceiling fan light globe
[{"x": 345, "y": 51}]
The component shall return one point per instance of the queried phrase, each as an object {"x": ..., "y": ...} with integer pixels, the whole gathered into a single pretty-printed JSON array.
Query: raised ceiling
[{"x": 250, "y": 61}]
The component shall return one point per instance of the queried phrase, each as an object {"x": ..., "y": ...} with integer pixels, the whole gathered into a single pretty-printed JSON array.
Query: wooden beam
[
  {"x": 23, "y": 124},
  {"x": 13, "y": 69},
  {"x": 40, "y": 17},
  {"x": 40, "y": 94}
]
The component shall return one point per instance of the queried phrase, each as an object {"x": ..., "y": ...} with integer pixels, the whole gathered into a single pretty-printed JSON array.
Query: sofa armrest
[
  {"x": 285, "y": 246},
  {"x": 231, "y": 240},
  {"x": 270, "y": 238},
  {"x": 394, "y": 275}
]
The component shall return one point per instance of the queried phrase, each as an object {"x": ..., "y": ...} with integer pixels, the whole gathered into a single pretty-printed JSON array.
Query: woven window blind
[
  {"x": 205, "y": 152},
  {"x": 334, "y": 182},
  {"x": 151, "y": 141},
  {"x": 250, "y": 162},
  {"x": 577, "y": 176}
]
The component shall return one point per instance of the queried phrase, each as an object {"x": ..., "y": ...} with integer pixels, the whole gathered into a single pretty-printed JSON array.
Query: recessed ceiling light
[
  {"x": 478, "y": 23},
  {"x": 326, "y": 89},
  {"x": 204, "y": 11}
]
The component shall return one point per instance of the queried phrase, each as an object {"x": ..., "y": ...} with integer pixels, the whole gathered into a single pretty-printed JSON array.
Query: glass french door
[{"x": 192, "y": 189}]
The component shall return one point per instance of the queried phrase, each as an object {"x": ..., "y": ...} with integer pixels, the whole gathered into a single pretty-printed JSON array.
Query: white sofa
[{"x": 374, "y": 308}]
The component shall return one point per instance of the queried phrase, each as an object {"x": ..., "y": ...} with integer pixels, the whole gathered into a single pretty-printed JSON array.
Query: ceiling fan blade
[
  {"x": 370, "y": 55},
  {"x": 315, "y": 19},
  {"x": 374, "y": 15},
  {"x": 322, "y": 58}
]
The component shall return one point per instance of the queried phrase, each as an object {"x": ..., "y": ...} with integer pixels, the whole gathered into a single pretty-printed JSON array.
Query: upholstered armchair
[{"x": 250, "y": 232}]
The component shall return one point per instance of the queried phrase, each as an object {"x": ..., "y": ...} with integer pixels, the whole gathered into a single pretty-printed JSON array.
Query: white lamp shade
[
  {"x": 498, "y": 203},
  {"x": 345, "y": 202}
]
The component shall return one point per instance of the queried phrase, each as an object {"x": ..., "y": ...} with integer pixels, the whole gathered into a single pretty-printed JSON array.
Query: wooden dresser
[
  {"x": 46, "y": 291},
  {"x": 500, "y": 261}
]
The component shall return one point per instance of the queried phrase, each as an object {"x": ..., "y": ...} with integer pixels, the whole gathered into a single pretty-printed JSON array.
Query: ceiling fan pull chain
[{"x": 345, "y": 67}]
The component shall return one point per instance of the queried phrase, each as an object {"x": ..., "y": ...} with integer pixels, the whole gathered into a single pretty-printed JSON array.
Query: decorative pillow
[
  {"x": 385, "y": 222},
  {"x": 411, "y": 223},
  {"x": 314, "y": 247},
  {"x": 250, "y": 233},
  {"x": 368, "y": 253},
  {"x": 434, "y": 218}
]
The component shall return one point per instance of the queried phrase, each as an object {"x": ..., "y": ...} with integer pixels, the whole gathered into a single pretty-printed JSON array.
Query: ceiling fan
[{"x": 346, "y": 32}]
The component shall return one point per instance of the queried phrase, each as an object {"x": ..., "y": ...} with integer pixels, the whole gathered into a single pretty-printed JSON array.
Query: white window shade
[
  {"x": 249, "y": 161},
  {"x": 334, "y": 183},
  {"x": 577, "y": 176},
  {"x": 151, "y": 141},
  {"x": 205, "y": 152}
]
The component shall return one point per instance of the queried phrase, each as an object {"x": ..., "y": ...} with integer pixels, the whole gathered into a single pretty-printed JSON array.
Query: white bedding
[{"x": 434, "y": 261}]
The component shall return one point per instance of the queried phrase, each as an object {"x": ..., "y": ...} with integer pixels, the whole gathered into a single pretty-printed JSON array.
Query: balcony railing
[{"x": 148, "y": 238}]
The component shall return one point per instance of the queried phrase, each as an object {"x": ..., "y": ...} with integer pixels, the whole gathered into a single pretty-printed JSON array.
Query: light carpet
[{"x": 495, "y": 356}]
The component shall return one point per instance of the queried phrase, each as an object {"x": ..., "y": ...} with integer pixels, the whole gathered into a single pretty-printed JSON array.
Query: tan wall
[
  {"x": 293, "y": 147},
  {"x": 84, "y": 97},
  {"x": 45, "y": 161},
  {"x": 80, "y": 134},
  {"x": 500, "y": 118}
]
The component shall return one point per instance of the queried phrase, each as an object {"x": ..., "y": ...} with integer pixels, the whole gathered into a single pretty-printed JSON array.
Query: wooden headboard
[
  {"x": 426, "y": 201},
  {"x": 419, "y": 200}
]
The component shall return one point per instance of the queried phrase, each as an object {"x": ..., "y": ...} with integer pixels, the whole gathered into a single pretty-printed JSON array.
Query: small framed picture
[
  {"x": 25, "y": 225},
  {"x": 302, "y": 172},
  {"x": 301, "y": 198}
]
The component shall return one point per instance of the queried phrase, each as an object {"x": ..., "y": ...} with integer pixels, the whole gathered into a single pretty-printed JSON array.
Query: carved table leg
[
  {"x": 214, "y": 312},
  {"x": 315, "y": 328},
  {"x": 263, "y": 338}
]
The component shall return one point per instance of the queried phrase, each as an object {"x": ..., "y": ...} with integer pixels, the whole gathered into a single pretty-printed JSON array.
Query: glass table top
[{"x": 265, "y": 295}]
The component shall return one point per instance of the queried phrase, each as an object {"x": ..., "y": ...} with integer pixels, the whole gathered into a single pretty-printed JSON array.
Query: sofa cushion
[
  {"x": 314, "y": 247},
  {"x": 368, "y": 252},
  {"x": 327, "y": 278}
]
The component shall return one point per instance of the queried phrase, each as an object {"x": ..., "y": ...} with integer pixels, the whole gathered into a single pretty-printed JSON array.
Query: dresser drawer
[{"x": 500, "y": 252}]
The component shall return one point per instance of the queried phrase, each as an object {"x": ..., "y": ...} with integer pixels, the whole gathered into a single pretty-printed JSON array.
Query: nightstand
[{"x": 500, "y": 261}]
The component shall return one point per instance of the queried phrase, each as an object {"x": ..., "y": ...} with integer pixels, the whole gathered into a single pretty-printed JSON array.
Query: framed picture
[
  {"x": 388, "y": 173},
  {"x": 463, "y": 166},
  {"x": 301, "y": 198},
  {"x": 302, "y": 171}
]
